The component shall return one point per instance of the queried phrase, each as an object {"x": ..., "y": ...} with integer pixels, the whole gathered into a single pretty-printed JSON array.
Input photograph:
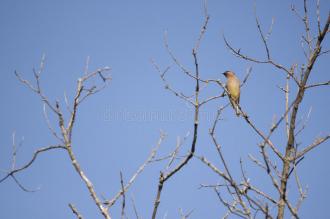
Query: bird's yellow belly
[{"x": 233, "y": 89}]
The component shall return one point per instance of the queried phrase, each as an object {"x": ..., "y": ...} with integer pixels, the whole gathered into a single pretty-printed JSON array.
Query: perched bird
[{"x": 233, "y": 88}]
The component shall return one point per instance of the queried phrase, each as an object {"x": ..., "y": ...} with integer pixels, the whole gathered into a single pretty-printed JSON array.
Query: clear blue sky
[{"x": 125, "y": 35}]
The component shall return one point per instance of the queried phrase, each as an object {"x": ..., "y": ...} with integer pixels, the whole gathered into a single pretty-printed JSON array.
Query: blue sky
[{"x": 125, "y": 35}]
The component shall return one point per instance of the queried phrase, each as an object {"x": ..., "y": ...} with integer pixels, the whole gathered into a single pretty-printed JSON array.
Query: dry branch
[{"x": 75, "y": 211}]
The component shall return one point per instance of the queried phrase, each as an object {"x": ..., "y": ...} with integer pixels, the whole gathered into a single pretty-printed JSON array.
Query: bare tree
[
  {"x": 83, "y": 91},
  {"x": 245, "y": 200}
]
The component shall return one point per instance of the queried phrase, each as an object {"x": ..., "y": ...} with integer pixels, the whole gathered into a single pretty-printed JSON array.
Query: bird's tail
[
  {"x": 238, "y": 112},
  {"x": 235, "y": 107}
]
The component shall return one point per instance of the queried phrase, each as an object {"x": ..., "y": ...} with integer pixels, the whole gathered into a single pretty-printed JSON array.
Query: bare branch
[
  {"x": 302, "y": 194},
  {"x": 231, "y": 207},
  {"x": 266, "y": 139},
  {"x": 300, "y": 94},
  {"x": 35, "y": 155},
  {"x": 257, "y": 162},
  {"x": 23, "y": 187},
  {"x": 167, "y": 86},
  {"x": 318, "y": 84},
  {"x": 185, "y": 216},
  {"x": 318, "y": 17},
  {"x": 26, "y": 82},
  {"x": 316, "y": 143},
  {"x": 214, "y": 168},
  {"x": 307, "y": 28},
  {"x": 304, "y": 124},
  {"x": 287, "y": 109},
  {"x": 249, "y": 70},
  {"x": 51, "y": 129},
  {"x": 37, "y": 89},
  {"x": 75, "y": 211},
  {"x": 13, "y": 163},
  {"x": 138, "y": 172},
  {"x": 135, "y": 210},
  {"x": 176, "y": 151},
  {"x": 248, "y": 186},
  {"x": 123, "y": 194},
  {"x": 269, "y": 61},
  {"x": 264, "y": 39},
  {"x": 97, "y": 73},
  {"x": 164, "y": 177},
  {"x": 87, "y": 182},
  {"x": 212, "y": 98},
  {"x": 203, "y": 29},
  {"x": 255, "y": 189},
  {"x": 67, "y": 103},
  {"x": 174, "y": 59},
  {"x": 87, "y": 65}
]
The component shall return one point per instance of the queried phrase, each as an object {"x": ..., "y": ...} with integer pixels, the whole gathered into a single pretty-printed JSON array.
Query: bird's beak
[{"x": 225, "y": 74}]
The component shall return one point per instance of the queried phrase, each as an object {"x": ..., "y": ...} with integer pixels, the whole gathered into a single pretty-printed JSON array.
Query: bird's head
[{"x": 228, "y": 74}]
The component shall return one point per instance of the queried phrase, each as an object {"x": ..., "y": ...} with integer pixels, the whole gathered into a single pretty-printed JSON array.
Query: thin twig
[
  {"x": 75, "y": 211},
  {"x": 135, "y": 210},
  {"x": 124, "y": 197},
  {"x": 316, "y": 143},
  {"x": 264, "y": 39},
  {"x": 34, "y": 156},
  {"x": 317, "y": 85},
  {"x": 138, "y": 172}
]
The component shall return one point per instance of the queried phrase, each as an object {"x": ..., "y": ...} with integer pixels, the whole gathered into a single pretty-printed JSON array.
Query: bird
[{"x": 233, "y": 88}]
